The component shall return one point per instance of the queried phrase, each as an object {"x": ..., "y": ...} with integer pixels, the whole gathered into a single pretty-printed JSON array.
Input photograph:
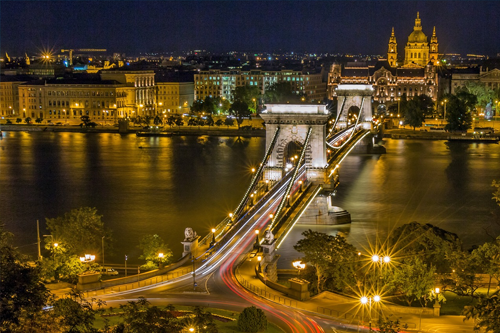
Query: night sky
[{"x": 313, "y": 26}]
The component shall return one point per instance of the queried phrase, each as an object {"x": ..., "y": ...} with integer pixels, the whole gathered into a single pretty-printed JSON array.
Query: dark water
[
  {"x": 169, "y": 184},
  {"x": 173, "y": 183}
]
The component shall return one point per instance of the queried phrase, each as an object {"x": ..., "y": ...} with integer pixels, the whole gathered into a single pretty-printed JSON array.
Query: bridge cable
[
  {"x": 356, "y": 125},
  {"x": 258, "y": 173},
  {"x": 292, "y": 181},
  {"x": 337, "y": 119}
]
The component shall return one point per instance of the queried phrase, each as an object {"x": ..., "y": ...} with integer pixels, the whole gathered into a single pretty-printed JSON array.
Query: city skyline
[{"x": 267, "y": 26}]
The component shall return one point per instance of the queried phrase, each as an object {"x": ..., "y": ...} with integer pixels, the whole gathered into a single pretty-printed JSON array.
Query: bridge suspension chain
[
  {"x": 258, "y": 173},
  {"x": 337, "y": 119},
  {"x": 292, "y": 181},
  {"x": 354, "y": 130}
]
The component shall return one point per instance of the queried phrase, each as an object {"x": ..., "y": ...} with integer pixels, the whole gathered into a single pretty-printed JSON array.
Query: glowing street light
[
  {"x": 212, "y": 243},
  {"x": 299, "y": 265},
  {"x": 387, "y": 259},
  {"x": 375, "y": 258},
  {"x": 368, "y": 300}
]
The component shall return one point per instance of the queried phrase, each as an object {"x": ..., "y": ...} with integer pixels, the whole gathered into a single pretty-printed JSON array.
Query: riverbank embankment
[{"x": 181, "y": 131}]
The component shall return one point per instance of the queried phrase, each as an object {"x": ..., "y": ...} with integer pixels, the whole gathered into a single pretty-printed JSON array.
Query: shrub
[{"x": 252, "y": 320}]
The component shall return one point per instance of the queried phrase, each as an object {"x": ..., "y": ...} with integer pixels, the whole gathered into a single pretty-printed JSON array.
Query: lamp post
[
  {"x": 257, "y": 244},
  {"x": 87, "y": 259},
  {"x": 368, "y": 300},
  {"x": 299, "y": 265},
  {"x": 194, "y": 271},
  {"x": 212, "y": 243},
  {"x": 160, "y": 258},
  {"x": 444, "y": 102},
  {"x": 102, "y": 243}
]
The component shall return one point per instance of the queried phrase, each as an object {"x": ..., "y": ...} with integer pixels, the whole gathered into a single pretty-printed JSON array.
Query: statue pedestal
[
  {"x": 268, "y": 250},
  {"x": 189, "y": 246},
  {"x": 299, "y": 289}
]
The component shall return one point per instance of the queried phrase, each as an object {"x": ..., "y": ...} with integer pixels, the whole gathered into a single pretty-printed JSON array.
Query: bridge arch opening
[
  {"x": 352, "y": 114},
  {"x": 291, "y": 153}
]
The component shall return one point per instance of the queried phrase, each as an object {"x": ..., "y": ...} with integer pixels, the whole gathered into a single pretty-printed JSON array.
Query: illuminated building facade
[
  {"x": 70, "y": 99},
  {"x": 389, "y": 83},
  {"x": 176, "y": 97},
  {"x": 418, "y": 52},
  {"x": 221, "y": 83}
]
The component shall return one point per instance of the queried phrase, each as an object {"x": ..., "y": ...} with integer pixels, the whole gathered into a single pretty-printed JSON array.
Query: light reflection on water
[{"x": 173, "y": 183}]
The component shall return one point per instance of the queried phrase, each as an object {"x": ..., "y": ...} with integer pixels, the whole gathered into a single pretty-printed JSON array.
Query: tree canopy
[
  {"x": 79, "y": 231},
  {"x": 459, "y": 118},
  {"x": 152, "y": 246},
  {"x": 413, "y": 114},
  {"x": 252, "y": 320}
]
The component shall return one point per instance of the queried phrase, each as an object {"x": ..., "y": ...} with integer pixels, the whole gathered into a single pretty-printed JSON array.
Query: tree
[
  {"x": 192, "y": 122},
  {"x": 229, "y": 121},
  {"x": 79, "y": 231},
  {"x": 487, "y": 257},
  {"x": 252, "y": 320},
  {"x": 139, "y": 317},
  {"x": 39, "y": 120},
  {"x": 425, "y": 104},
  {"x": 21, "y": 291},
  {"x": 413, "y": 280},
  {"x": 486, "y": 313},
  {"x": 413, "y": 114},
  {"x": 389, "y": 326},
  {"x": 77, "y": 314},
  {"x": 240, "y": 110},
  {"x": 157, "y": 120},
  {"x": 341, "y": 270},
  {"x": 457, "y": 115},
  {"x": 249, "y": 95},
  {"x": 219, "y": 122},
  {"x": 179, "y": 122},
  {"x": 171, "y": 121},
  {"x": 482, "y": 93},
  {"x": 210, "y": 121},
  {"x": 27, "y": 120},
  {"x": 151, "y": 246},
  {"x": 463, "y": 280},
  {"x": 18, "y": 120},
  {"x": 314, "y": 246},
  {"x": 281, "y": 92},
  {"x": 430, "y": 243},
  {"x": 85, "y": 120}
]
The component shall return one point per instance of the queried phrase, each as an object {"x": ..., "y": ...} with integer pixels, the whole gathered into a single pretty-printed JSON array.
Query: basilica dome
[{"x": 417, "y": 36}]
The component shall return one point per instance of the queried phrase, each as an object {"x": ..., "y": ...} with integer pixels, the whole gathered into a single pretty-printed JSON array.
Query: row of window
[{"x": 80, "y": 93}]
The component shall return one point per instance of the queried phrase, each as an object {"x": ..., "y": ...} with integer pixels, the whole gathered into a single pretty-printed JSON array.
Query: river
[{"x": 162, "y": 185}]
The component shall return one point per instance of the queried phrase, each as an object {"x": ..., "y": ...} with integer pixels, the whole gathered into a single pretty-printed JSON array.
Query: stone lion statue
[
  {"x": 268, "y": 236},
  {"x": 189, "y": 234}
]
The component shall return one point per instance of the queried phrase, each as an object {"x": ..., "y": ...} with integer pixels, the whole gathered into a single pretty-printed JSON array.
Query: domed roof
[{"x": 417, "y": 36}]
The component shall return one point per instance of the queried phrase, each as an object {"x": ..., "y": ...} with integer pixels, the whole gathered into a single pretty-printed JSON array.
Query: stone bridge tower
[
  {"x": 294, "y": 121},
  {"x": 358, "y": 97}
]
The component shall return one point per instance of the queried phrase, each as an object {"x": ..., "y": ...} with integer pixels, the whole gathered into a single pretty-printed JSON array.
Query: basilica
[{"x": 392, "y": 78}]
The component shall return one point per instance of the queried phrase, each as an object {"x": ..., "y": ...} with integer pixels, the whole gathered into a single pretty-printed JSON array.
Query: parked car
[
  {"x": 59, "y": 124},
  {"x": 108, "y": 271}
]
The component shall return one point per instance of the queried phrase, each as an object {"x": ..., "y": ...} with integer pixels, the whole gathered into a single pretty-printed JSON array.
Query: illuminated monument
[{"x": 418, "y": 52}]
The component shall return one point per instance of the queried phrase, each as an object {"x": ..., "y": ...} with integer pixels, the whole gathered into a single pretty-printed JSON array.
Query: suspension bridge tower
[{"x": 288, "y": 128}]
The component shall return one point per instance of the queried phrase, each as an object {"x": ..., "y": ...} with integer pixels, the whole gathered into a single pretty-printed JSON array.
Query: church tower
[
  {"x": 417, "y": 48},
  {"x": 392, "y": 51},
  {"x": 433, "y": 49}
]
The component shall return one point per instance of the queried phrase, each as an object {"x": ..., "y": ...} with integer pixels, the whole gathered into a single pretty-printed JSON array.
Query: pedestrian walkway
[{"x": 350, "y": 311}]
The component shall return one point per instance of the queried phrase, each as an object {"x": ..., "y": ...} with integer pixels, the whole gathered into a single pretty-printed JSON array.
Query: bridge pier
[
  {"x": 322, "y": 211},
  {"x": 369, "y": 145}
]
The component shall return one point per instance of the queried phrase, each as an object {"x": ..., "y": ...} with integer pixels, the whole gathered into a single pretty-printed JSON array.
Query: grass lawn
[{"x": 223, "y": 327}]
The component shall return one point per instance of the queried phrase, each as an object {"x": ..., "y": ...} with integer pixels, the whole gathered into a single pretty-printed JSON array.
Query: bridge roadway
[{"x": 215, "y": 276}]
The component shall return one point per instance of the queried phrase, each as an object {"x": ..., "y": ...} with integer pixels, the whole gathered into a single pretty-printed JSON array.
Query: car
[
  {"x": 59, "y": 124},
  {"x": 108, "y": 271},
  {"x": 50, "y": 123}
]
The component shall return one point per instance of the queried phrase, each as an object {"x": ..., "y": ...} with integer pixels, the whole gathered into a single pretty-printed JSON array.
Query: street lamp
[
  {"x": 299, "y": 265},
  {"x": 444, "y": 103},
  {"x": 368, "y": 300},
  {"x": 257, "y": 244},
  {"x": 212, "y": 243},
  {"x": 160, "y": 257}
]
